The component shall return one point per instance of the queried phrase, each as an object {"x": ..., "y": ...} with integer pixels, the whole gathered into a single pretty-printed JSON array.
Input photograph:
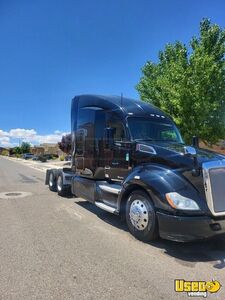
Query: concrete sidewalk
[{"x": 41, "y": 166}]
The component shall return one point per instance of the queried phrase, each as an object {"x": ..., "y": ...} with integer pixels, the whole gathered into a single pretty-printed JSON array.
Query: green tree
[
  {"x": 190, "y": 87},
  {"x": 66, "y": 143},
  {"x": 25, "y": 147},
  {"x": 17, "y": 150}
]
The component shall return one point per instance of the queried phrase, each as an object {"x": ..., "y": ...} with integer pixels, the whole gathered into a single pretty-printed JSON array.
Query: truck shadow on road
[
  {"x": 105, "y": 216},
  {"x": 187, "y": 254}
]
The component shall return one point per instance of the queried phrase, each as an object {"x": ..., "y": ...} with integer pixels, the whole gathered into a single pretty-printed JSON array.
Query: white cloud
[
  {"x": 49, "y": 138},
  {"x": 9, "y": 139},
  {"x": 22, "y": 133},
  {"x": 5, "y": 138},
  {"x": 57, "y": 132},
  {"x": 5, "y": 141},
  {"x": 3, "y": 133}
]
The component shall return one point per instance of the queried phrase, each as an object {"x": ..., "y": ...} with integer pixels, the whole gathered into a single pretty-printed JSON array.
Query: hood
[{"x": 172, "y": 154}]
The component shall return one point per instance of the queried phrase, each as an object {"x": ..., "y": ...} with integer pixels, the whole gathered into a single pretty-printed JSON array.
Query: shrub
[
  {"x": 62, "y": 158},
  {"x": 5, "y": 153}
]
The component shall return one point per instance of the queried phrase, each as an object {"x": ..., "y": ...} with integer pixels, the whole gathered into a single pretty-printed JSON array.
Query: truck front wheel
[{"x": 141, "y": 217}]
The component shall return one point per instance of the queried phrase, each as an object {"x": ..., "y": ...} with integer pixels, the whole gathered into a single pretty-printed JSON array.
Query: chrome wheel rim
[
  {"x": 59, "y": 183},
  {"x": 51, "y": 180},
  {"x": 139, "y": 215}
]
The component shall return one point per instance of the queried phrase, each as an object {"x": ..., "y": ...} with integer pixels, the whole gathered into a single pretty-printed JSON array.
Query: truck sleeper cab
[{"x": 129, "y": 158}]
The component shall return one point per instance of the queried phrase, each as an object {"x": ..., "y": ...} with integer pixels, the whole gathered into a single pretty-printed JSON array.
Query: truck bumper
[{"x": 186, "y": 229}]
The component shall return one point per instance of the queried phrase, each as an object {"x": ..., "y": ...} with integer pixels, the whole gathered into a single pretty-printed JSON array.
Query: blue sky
[{"x": 52, "y": 50}]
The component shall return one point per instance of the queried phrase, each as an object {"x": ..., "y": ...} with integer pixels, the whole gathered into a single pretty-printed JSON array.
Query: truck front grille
[{"x": 214, "y": 183}]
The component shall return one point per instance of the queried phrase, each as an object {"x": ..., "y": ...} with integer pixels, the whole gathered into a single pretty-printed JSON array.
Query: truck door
[
  {"x": 80, "y": 144},
  {"x": 84, "y": 156},
  {"x": 117, "y": 157}
]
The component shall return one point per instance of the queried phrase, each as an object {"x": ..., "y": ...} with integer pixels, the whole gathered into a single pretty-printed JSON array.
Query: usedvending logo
[{"x": 196, "y": 288}]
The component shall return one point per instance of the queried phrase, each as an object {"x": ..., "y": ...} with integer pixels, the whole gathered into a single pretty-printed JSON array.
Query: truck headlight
[{"x": 180, "y": 202}]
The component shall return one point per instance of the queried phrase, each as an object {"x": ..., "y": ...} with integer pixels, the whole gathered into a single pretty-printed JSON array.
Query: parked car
[
  {"x": 68, "y": 158},
  {"x": 28, "y": 156},
  {"x": 48, "y": 156},
  {"x": 35, "y": 157},
  {"x": 42, "y": 158}
]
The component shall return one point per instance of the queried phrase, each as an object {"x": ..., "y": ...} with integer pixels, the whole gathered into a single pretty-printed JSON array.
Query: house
[
  {"x": 37, "y": 150},
  {"x": 50, "y": 148}
]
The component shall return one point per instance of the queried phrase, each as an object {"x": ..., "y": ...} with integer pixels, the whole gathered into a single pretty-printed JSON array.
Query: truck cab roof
[{"x": 122, "y": 105}]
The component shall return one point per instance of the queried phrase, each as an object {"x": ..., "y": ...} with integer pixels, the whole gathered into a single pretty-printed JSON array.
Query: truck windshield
[{"x": 153, "y": 130}]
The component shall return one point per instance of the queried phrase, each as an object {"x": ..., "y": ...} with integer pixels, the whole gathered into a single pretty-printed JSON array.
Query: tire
[
  {"x": 61, "y": 188},
  {"x": 141, "y": 217},
  {"x": 52, "y": 182}
]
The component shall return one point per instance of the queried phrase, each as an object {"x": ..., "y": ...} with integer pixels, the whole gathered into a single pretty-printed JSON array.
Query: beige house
[
  {"x": 51, "y": 149},
  {"x": 37, "y": 150}
]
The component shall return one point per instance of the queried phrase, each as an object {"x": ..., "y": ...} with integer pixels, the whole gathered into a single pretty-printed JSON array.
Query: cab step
[{"x": 106, "y": 207}]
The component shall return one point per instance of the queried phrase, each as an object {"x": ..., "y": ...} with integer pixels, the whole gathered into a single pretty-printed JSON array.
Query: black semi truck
[{"x": 129, "y": 159}]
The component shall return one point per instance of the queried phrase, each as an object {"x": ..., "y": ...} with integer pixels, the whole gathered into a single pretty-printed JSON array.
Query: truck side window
[
  {"x": 119, "y": 130},
  {"x": 80, "y": 137},
  {"x": 85, "y": 129}
]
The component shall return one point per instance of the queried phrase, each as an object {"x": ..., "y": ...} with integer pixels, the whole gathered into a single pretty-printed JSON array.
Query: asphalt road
[{"x": 65, "y": 248}]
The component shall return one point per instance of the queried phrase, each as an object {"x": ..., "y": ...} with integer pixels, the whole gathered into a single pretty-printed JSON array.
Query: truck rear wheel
[
  {"x": 52, "y": 182},
  {"x": 141, "y": 217},
  {"x": 62, "y": 189}
]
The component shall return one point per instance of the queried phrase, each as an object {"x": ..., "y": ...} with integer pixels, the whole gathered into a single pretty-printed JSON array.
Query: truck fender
[{"x": 158, "y": 180}]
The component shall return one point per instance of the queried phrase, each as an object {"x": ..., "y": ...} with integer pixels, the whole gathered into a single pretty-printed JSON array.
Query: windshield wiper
[{"x": 148, "y": 139}]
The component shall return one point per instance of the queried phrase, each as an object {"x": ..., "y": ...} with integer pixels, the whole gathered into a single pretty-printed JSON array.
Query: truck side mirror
[
  {"x": 195, "y": 141},
  {"x": 109, "y": 134},
  {"x": 188, "y": 150}
]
